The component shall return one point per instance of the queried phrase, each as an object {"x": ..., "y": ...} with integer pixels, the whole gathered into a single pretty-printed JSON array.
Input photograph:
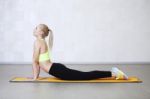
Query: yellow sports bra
[{"x": 44, "y": 57}]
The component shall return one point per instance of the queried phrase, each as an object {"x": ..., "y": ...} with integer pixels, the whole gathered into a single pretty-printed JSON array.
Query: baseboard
[{"x": 83, "y": 63}]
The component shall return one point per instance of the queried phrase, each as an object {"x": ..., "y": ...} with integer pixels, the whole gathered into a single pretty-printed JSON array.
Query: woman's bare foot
[{"x": 118, "y": 73}]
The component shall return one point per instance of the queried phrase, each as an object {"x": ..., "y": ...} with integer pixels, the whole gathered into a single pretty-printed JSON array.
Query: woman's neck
[{"x": 41, "y": 38}]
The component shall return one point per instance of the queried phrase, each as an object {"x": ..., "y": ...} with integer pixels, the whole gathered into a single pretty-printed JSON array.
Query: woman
[{"x": 42, "y": 60}]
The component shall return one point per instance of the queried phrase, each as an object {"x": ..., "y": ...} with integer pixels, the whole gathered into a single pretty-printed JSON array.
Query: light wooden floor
[{"x": 74, "y": 90}]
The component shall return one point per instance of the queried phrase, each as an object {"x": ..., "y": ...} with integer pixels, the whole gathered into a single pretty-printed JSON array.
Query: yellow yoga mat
[{"x": 52, "y": 79}]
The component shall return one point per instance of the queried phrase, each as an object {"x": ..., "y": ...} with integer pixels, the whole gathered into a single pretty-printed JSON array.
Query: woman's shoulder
[
  {"x": 37, "y": 42},
  {"x": 40, "y": 43}
]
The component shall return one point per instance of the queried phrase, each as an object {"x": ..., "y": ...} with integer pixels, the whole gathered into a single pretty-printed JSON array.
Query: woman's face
[{"x": 37, "y": 32}]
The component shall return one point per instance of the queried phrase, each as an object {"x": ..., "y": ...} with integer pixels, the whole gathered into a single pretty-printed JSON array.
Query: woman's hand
[{"x": 32, "y": 79}]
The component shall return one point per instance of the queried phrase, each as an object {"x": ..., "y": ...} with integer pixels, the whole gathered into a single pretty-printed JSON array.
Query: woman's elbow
[{"x": 34, "y": 62}]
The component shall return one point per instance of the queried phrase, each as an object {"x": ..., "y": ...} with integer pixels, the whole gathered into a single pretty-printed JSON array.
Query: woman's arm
[{"x": 35, "y": 64}]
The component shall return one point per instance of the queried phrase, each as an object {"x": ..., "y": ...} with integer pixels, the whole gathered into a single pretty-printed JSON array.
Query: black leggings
[{"x": 62, "y": 72}]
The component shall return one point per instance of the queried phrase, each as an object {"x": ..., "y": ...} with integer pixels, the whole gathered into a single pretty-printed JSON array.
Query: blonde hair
[
  {"x": 50, "y": 41},
  {"x": 47, "y": 32}
]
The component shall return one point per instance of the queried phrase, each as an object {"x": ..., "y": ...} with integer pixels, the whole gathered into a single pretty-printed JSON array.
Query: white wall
[{"x": 85, "y": 31}]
